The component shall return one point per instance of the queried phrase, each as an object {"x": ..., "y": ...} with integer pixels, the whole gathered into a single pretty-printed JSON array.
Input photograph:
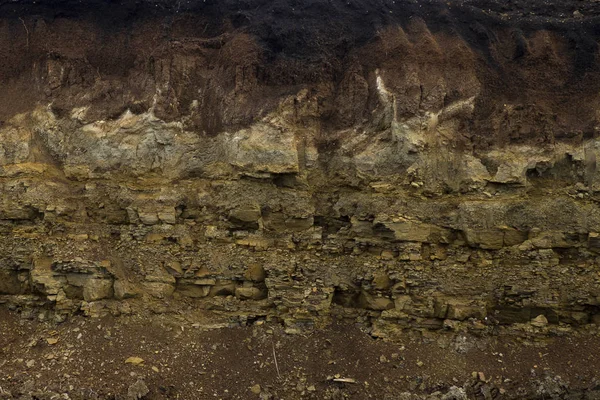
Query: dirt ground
[{"x": 85, "y": 358}]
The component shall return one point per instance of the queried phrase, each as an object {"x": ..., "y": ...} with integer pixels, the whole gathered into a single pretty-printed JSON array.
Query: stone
[
  {"x": 154, "y": 237},
  {"x": 205, "y": 282},
  {"x": 160, "y": 290},
  {"x": 424, "y": 307},
  {"x": 97, "y": 289},
  {"x": 137, "y": 390},
  {"x": 256, "y": 389},
  {"x": 549, "y": 240},
  {"x": 381, "y": 281},
  {"x": 44, "y": 278},
  {"x": 461, "y": 311},
  {"x": 124, "y": 290},
  {"x": 174, "y": 267},
  {"x": 94, "y": 309},
  {"x": 222, "y": 288},
  {"x": 193, "y": 290},
  {"x": 257, "y": 243},
  {"x": 513, "y": 237},
  {"x": 160, "y": 274},
  {"x": 375, "y": 303},
  {"x": 250, "y": 293},
  {"x": 202, "y": 272},
  {"x": 263, "y": 148},
  {"x": 299, "y": 224},
  {"x": 455, "y": 393},
  {"x": 134, "y": 360},
  {"x": 148, "y": 218},
  {"x": 213, "y": 232},
  {"x": 81, "y": 237},
  {"x": 167, "y": 216},
  {"x": 255, "y": 273},
  {"x": 411, "y": 231},
  {"x": 512, "y": 172},
  {"x": 245, "y": 214},
  {"x": 489, "y": 239},
  {"x": 540, "y": 321}
]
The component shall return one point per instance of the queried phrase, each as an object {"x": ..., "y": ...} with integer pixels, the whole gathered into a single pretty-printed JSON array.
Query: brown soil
[
  {"x": 243, "y": 55},
  {"x": 183, "y": 361}
]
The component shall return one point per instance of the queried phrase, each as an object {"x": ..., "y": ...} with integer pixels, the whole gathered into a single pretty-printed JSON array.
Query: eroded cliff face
[{"x": 408, "y": 164}]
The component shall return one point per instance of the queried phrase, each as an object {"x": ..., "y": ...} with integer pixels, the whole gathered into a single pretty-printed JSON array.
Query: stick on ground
[{"x": 275, "y": 358}]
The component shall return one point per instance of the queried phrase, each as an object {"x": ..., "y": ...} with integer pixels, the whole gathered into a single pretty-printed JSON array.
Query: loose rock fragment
[
  {"x": 256, "y": 389},
  {"x": 134, "y": 360},
  {"x": 138, "y": 390},
  {"x": 540, "y": 321}
]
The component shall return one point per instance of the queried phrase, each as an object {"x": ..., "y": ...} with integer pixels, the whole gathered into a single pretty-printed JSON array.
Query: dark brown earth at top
[{"x": 244, "y": 55}]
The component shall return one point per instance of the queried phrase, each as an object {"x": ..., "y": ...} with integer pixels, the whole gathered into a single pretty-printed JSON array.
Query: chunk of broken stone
[
  {"x": 540, "y": 321},
  {"x": 134, "y": 360},
  {"x": 255, "y": 389},
  {"x": 255, "y": 273},
  {"x": 250, "y": 293},
  {"x": 137, "y": 390},
  {"x": 123, "y": 290},
  {"x": 97, "y": 289}
]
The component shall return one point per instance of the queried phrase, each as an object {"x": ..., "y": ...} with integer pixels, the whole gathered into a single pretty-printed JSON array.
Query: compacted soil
[{"x": 166, "y": 357}]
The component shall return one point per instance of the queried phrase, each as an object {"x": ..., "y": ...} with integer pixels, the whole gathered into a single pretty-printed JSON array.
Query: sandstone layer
[{"x": 408, "y": 164}]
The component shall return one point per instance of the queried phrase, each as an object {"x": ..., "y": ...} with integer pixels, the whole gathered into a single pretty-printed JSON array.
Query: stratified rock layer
[{"x": 412, "y": 165}]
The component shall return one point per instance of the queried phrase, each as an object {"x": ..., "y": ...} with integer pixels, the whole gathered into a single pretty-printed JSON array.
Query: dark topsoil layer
[
  {"x": 279, "y": 46},
  {"x": 294, "y": 26},
  {"x": 282, "y": 45}
]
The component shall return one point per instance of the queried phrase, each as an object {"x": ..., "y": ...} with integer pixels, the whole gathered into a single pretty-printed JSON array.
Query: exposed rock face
[{"x": 411, "y": 164}]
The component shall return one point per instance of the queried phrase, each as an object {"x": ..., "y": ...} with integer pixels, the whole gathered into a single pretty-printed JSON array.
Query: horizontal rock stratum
[{"x": 408, "y": 164}]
